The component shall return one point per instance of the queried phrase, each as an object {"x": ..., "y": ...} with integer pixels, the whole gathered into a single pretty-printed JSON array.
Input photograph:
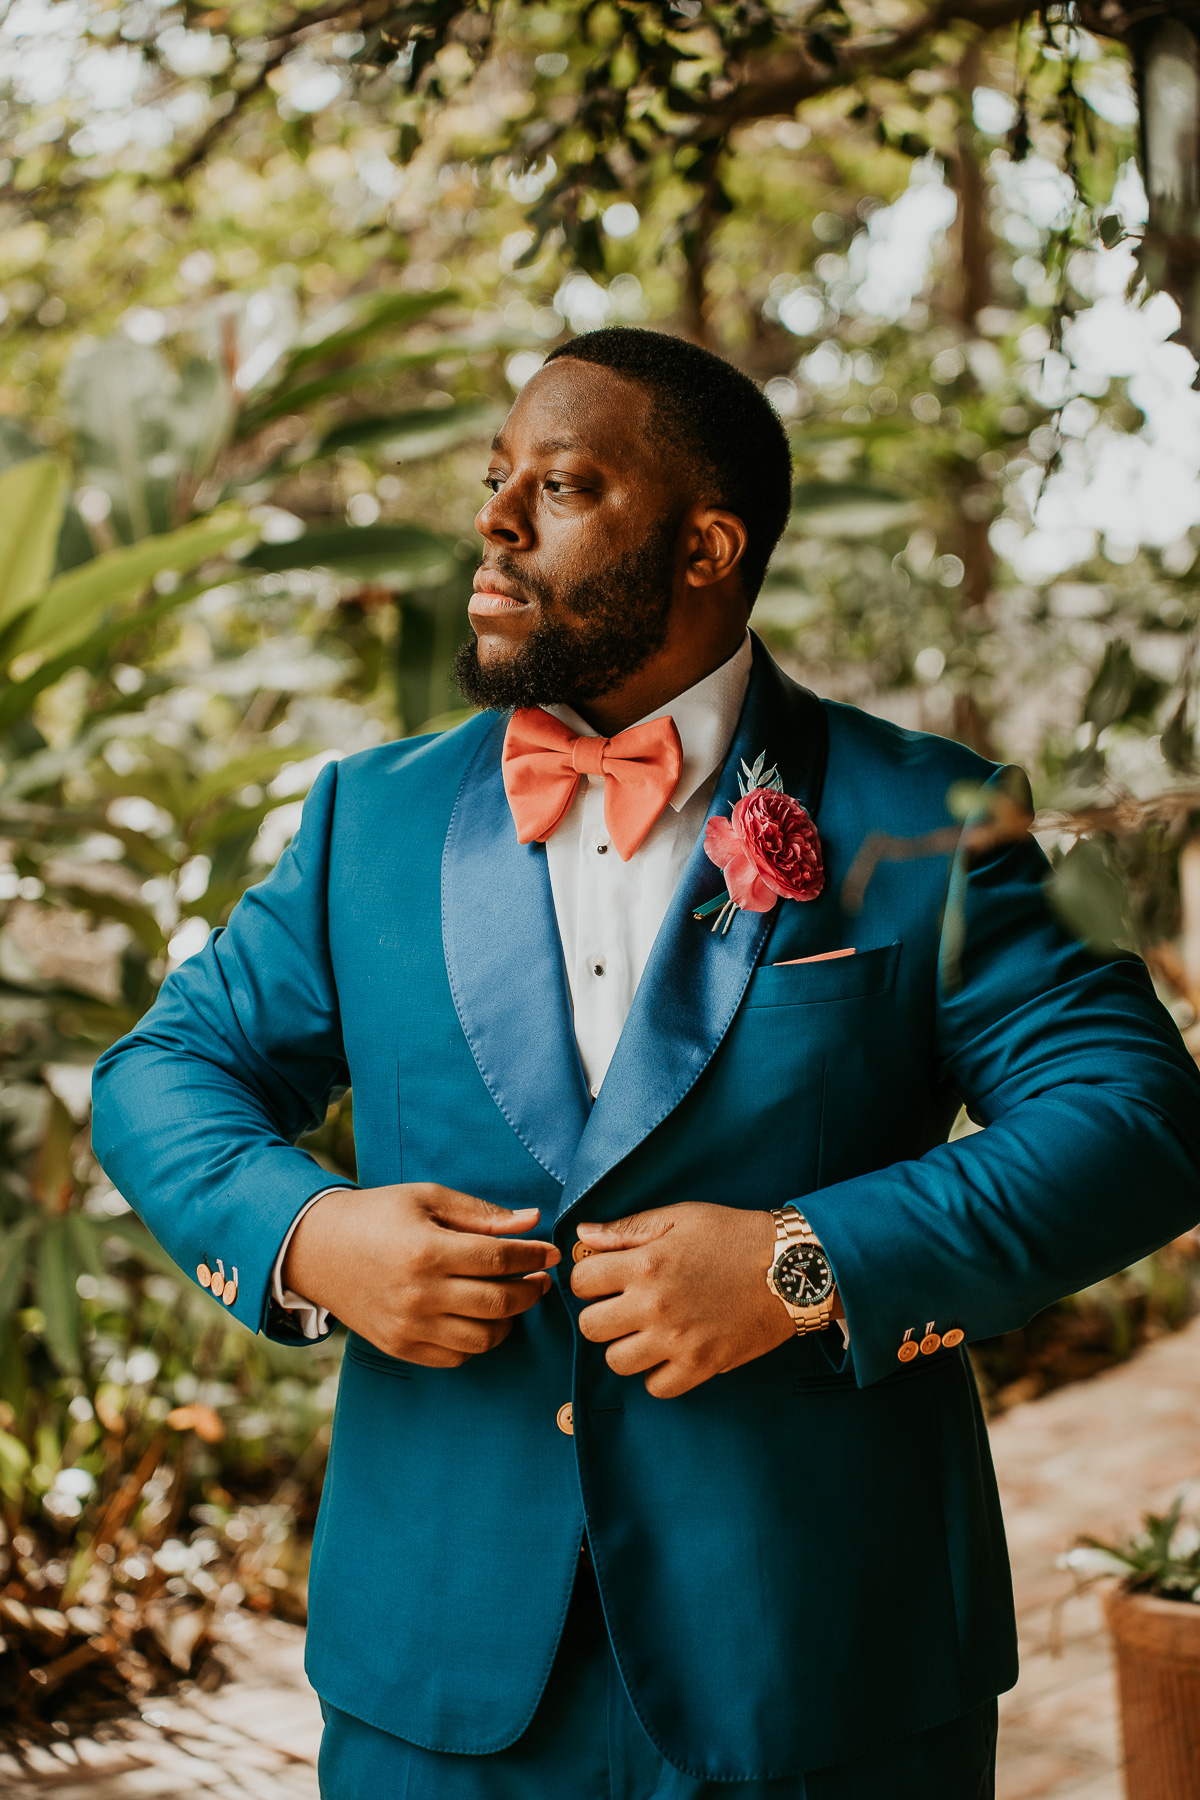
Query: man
[{"x": 606, "y": 1514}]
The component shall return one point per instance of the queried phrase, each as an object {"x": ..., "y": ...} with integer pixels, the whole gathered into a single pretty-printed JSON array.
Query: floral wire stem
[
  {"x": 724, "y": 907},
  {"x": 717, "y": 904},
  {"x": 726, "y": 913}
]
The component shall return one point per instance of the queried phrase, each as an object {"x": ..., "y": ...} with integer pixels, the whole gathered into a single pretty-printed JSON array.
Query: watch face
[{"x": 803, "y": 1276}]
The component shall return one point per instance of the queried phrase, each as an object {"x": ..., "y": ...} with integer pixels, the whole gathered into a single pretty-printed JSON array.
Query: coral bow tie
[{"x": 543, "y": 761}]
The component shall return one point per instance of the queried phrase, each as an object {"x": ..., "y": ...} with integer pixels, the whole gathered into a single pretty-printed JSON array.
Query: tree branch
[
  {"x": 344, "y": 12},
  {"x": 786, "y": 82},
  {"x": 801, "y": 78}
]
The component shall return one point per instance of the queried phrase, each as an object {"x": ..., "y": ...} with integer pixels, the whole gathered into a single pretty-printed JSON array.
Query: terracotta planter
[{"x": 1158, "y": 1670}]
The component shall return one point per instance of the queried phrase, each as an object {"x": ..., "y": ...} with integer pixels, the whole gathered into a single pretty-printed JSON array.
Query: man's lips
[{"x": 491, "y": 602}]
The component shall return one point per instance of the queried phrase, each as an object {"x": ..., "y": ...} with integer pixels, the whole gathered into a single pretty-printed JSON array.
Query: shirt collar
[{"x": 705, "y": 716}]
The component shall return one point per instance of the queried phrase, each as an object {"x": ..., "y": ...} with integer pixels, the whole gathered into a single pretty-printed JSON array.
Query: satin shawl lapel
[
  {"x": 694, "y": 980},
  {"x": 504, "y": 960}
]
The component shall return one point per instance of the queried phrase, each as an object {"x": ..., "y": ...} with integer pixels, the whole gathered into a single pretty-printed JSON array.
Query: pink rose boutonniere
[{"x": 768, "y": 848}]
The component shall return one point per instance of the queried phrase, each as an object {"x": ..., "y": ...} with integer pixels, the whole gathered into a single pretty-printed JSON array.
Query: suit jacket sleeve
[
  {"x": 1091, "y": 1154},
  {"x": 196, "y": 1111}
]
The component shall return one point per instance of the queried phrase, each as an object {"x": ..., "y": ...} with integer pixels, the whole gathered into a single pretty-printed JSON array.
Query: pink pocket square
[{"x": 825, "y": 956}]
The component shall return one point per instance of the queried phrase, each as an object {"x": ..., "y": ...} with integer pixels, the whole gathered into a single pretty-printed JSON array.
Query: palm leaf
[
  {"x": 339, "y": 381},
  {"x": 72, "y": 606},
  {"x": 31, "y": 510},
  {"x": 375, "y": 313},
  {"x": 15, "y": 1253},
  {"x": 16, "y": 698},
  {"x": 54, "y": 1288},
  {"x": 395, "y": 556},
  {"x": 422, "y": 431}
]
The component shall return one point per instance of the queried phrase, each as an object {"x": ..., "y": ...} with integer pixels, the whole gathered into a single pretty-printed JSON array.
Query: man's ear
[{"x": 715, "y": 542}]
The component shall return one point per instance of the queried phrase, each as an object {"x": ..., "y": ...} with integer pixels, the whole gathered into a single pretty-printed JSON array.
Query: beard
[{"x": 592, "y": 635}]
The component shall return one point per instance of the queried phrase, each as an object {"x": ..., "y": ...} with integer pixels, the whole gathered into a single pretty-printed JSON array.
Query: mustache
[{"x": 528, "y": 586}]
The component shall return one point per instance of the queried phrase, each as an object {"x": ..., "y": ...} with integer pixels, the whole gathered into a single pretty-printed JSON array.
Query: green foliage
[
  {"x": 395, "y": 557},
  {"x": 409, "y": 435},
  {"x": 246, "y": 381},
  {"x": 142, "y": 758},
  {"x": 1091, "y": 899},
  {"x": 1162, "y": 1558},
  {"x": 31, "y": 509},
  {"x": 72, "y": 606},
  {"x": 138, "y": 426}
]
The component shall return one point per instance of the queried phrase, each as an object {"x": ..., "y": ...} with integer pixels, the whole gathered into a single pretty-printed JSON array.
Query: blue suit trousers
[{"x": 585, "y": 1742}]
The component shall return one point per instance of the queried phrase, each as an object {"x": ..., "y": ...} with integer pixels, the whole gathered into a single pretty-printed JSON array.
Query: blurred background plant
[
  {"x": 270, "y": 277},
  {"x": 1162, "y": 1559},
  {"x": 182, "y": 656}
]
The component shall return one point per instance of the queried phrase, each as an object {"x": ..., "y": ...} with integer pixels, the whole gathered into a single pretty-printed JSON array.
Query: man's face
[{"x": 581, "y": 544}]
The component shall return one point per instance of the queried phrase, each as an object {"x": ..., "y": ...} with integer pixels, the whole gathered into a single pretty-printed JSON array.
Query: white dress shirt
[{"x": 608, "y": 911}]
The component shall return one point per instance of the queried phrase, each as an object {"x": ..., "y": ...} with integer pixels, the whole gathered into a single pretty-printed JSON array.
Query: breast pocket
[{"x": 840, "y": 978}]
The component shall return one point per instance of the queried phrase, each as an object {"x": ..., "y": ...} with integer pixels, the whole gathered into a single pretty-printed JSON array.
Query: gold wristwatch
[{"x": 800, "y": 1275}]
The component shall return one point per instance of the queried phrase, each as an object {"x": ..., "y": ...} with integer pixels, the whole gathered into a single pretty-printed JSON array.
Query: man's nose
[{"x": 504, "y": 520}]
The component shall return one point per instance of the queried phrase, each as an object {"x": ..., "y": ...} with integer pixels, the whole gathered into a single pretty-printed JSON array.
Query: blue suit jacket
[{"x": 799, "y": 1560}]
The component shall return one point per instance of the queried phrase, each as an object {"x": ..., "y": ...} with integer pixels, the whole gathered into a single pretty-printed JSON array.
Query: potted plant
[{"x": 1154, "y": 1619}]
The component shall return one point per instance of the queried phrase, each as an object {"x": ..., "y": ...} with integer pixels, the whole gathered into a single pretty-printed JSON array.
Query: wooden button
[
  {"x": 907, "y": 1350},
  {"x": 566, "y": 1419},
  {"x": 230, "y": 1294},
  {"x": 953, "y": 1338},
  {"x": 930, "y": 1342},
  {"x": 203, "y": 1274},
  {"x": 579, "y": 1251},
  {"x": 217, "y": 1285}
]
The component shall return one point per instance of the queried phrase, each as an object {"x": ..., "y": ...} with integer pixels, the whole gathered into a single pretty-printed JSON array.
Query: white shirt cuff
[{"x": 313, "y": 1320}]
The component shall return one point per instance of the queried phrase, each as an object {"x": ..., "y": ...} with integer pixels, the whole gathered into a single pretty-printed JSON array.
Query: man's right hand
[{"x": 424, "y": 1273}]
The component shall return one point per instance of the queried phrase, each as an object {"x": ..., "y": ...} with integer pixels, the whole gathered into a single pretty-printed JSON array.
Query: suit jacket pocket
[
  {"x": 360, "y": 1351},
  {"x": 841, "y": 978}
]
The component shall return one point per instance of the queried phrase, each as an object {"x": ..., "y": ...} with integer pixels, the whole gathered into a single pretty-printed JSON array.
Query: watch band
[{"x": 791, "y": 1227}]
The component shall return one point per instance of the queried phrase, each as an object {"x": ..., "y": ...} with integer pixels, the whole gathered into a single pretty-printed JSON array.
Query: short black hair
[{"x": 716, "y": 418}]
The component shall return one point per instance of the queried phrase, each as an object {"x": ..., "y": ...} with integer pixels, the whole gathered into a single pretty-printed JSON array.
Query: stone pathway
[
  {"x": 1090, "y": 1458},
  {"x": 256, "y": 1738}
]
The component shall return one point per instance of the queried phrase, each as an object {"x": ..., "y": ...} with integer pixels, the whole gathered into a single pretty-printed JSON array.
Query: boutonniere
[{"x": 768, "y": 848}]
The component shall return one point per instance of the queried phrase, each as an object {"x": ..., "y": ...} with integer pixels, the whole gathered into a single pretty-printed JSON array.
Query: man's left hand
[{"x": 680, "y": 1293}]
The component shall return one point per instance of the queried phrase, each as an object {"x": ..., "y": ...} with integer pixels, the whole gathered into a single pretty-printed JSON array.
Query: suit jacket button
[
  {"x": 566, "y": 1419},
  {"x": 579, "y": 1251},
  {"x": 203, "y": 1274},
  {"x": 953, "y": 1338},
  {"x": 930, "y": 1342},
  {"x": 230, "y": 1294},
  {"x": 907, "y": 1350}
]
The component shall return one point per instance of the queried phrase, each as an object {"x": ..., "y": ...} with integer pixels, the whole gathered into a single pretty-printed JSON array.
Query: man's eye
[{"x": 495, "y": 482}]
